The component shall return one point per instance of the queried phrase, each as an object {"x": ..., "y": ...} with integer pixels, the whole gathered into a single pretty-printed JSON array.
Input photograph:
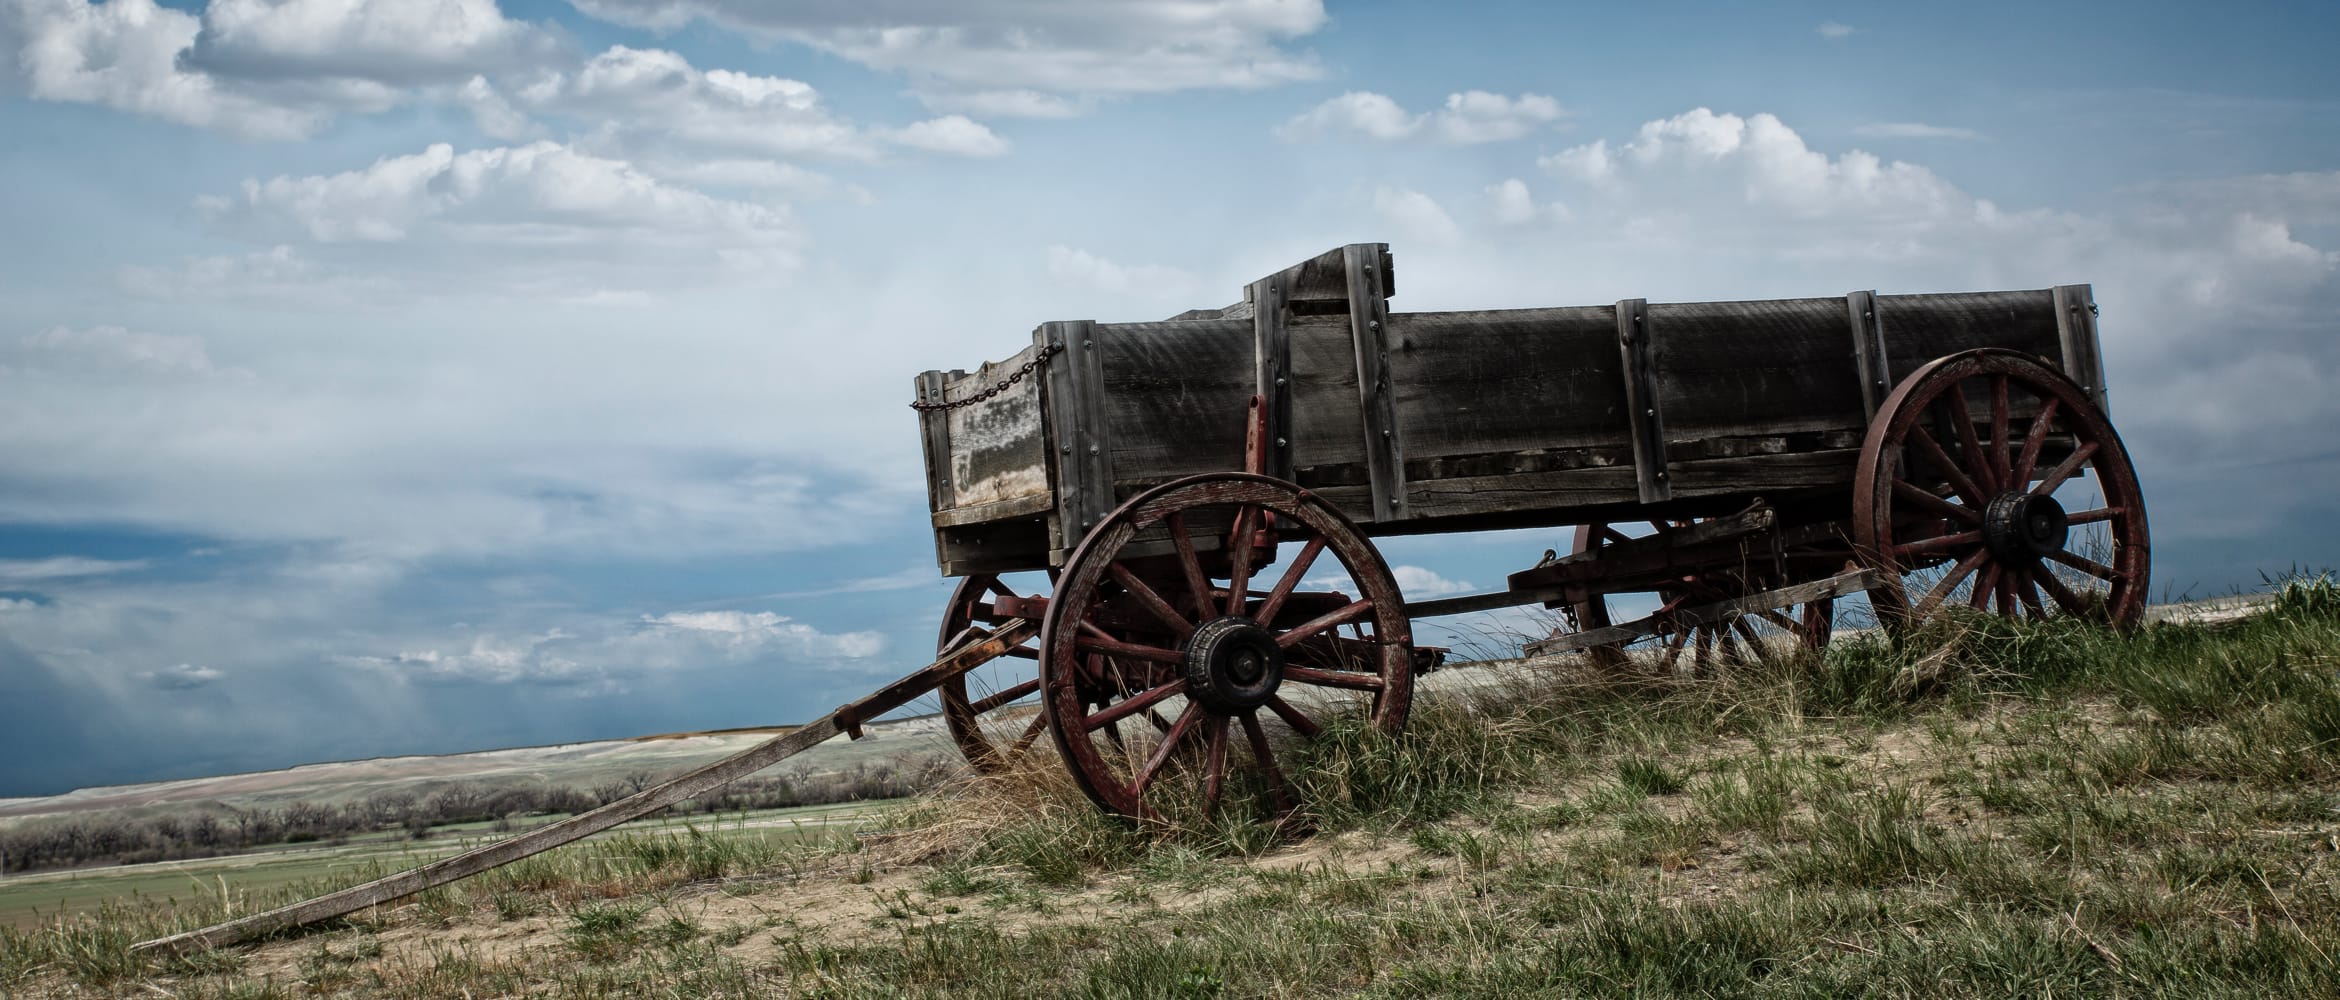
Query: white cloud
[
  {"x": 654, "y": 92},
  {"x": 1009, "y": 103},
  {"x": 1511, "y": 204},
  {"x": 1416, "y": 215},
  {"x": 990, "y": 55},
  {"x": 954, "y": 134},
  {"x": 1469, "y": 117},
  {"x": 745, "y": 630},
  {"x": 779, "y": 178},
  {"x": 1416, "y": 583},
  {"x": 396, "y": 42},
  {"x": 1083, "y": 267},
  {"x": 182, "y": 677},
  {"x": 279, "y": 274},
  {"x": 542, "y": 195},
  {"x": 124, "y": 54},
  {"x": 1916, "y": 130},
  {"x": 64, "y": 568},
  {"x": 1833, "y": 30}
]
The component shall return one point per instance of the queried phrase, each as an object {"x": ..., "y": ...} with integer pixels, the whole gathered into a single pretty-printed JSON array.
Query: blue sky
[{"x": 387, "y": 376}]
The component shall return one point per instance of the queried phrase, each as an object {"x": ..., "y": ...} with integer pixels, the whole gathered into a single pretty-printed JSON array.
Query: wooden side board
[{"x": 1415, "y": 422}]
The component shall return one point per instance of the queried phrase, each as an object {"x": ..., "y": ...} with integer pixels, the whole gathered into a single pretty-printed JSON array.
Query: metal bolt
[
  {"x": 1279, "y": 380},
  {"x": 1649, "y": 412},
  {"x": 1661, "y": 475},
  {"x": 1385, "y": 432},
  {"x": 1092, "y": 449},
  {"x": 1086, "y": 344},
  {"x": 1068, "y": 449},
  {"x": 1373, "y": 324},
  {"x": 1279, "y": 442}
]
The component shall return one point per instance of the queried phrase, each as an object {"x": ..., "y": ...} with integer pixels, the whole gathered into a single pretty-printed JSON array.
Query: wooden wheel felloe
[
  {"x": 970, "y": 717},
  {"x": 1701, "y": 648},
  {"x": 1163, "y": 668},
  {"x": 1970, "y": 490}
]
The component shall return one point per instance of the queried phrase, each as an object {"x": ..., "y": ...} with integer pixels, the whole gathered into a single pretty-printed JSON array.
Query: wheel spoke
[
  {"x": 2064, "y": 470},
  {"x": 998, "y": 589},
  {"x": 1128, "y": 650},
  {"x": 1008, "y": 696},
  {"x": 2033, "y": 440},
  {"x": 2086, "y": 565},
  {"x": 2065, "y": 598},
  {"x": 1266, "y": 757},
  {"x": 2006, "y": 597},
  {"x": 1132, "y": 705},
  {"x": 1290, "y": 579},
  {"x": 1151, "y": 601},
  {"x": 1333, "y": 678},
  {"x": 1293, "y": 717},
  {"x": 1940, "y": 543},
  {"x": 1984, "y": 586},
  {"x": 1023, "y": 653},
  {"x": 1915, "y": 494},
  {"x": 2093, "y": 516},
  {"x": 1932, "y": 451},
  {"x": 1239, "y": 576},
  {"x": 1198, "y": 583},
  {"x": 1612, "y": 534},
  {"x": 1963, "y": 426},
  {"x": 2028, "y": 593},
  {"x": 1031, "y": 732},
  {"x": 1310, "y": 628},
  {"x": 1163, "y": 750},
  {"x": 2002, "y": 464},
  {"x": 1215, "y": 763},
  {"x": 1958, "y": 574}
]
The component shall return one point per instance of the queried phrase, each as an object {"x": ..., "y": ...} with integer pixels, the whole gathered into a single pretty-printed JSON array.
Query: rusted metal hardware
[{"x": 1039, "y": 361}]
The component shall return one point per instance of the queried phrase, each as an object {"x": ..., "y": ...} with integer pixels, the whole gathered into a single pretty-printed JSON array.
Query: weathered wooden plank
[
  {"x": 2076, "y": 334},
  {"x": 1506, "y": 380},
  {"x": 1376, "y": 402},
  {"x": 1644, "y": 414},
  {"x": 1035, "y": 505},
  {"x": 1776, "y": 366},
  {"x": 1175, "y": 396},
  {"x": 934, "y": 427},
  {"x": 1869, "y": 357},
  {"x": 1920, "y": 328},
  {"x": 998, "y": 447},
  {"x": 699, "y": 781},
  {"x": 1555, "y": 489}
]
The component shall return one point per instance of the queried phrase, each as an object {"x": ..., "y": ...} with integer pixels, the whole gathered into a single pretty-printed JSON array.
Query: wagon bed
[{"x": 1449, "y": 421}]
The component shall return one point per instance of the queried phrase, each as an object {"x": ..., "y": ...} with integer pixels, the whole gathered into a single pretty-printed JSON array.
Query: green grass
[{"x": 1982, "y": 810}]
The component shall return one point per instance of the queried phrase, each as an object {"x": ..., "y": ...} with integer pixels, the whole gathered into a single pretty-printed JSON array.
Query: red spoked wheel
[
  {"x": 1700, "y": 648},
  {"x": 1992, "y": 480},
  {"x": 974, "y": 717},
  {"x": 1164, "y": 670}
]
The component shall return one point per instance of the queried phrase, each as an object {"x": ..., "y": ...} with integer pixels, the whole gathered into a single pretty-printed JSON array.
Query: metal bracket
[{"x": 1641, "y": 401}]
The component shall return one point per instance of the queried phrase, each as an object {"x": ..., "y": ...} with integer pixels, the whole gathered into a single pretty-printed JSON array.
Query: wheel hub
[
  {"x": 2019, "y": 527},
  {"x": 1233, "y": 664}
]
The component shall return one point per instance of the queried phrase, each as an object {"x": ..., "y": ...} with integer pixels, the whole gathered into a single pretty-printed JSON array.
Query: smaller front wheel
[{"x": 1165, "y": 671}]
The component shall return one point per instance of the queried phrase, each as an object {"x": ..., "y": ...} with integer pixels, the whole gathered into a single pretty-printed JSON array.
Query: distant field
[{"x": 28, "y": 900}]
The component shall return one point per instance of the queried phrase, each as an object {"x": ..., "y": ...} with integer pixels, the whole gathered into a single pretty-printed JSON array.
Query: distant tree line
[{"x": 211, "y": 829}]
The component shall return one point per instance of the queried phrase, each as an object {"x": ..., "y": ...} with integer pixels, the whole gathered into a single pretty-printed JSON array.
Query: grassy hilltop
[{"x": 1985, "y": 810}]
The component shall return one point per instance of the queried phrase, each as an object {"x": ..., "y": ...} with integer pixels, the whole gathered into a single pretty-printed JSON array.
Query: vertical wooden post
[
  {"x": 2076, "y": 329},
  {"x": 1083, "y": 446},
  {"x": 1272, "y": 365},
  {"x": 1643, "y": 412},
  {"x": 1868, "y": 337},
  {"x": 1385, "y": 460},
  {"x": 935, "y": 427}
]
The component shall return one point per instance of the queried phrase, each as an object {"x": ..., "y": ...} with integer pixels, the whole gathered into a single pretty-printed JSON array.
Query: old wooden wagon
[{"x": 1204, "y": 492}]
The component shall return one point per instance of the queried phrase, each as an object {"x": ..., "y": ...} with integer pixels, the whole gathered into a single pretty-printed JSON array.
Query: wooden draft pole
[{"x": 967, "y": 655}]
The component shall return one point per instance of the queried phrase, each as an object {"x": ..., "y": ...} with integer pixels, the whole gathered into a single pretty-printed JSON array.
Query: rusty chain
[{"x": 1038, "y": 361}]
